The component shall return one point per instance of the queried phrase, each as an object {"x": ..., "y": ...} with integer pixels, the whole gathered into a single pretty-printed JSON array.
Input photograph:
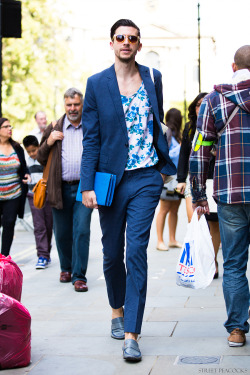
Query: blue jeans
[
  {"x": 133, "y": 208},
  {"x": 72, "y": 232},
  {"x": 234, "y": 221}
]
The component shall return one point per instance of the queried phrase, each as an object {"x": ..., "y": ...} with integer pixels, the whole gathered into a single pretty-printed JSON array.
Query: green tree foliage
[{"x": 36, "y": 67}]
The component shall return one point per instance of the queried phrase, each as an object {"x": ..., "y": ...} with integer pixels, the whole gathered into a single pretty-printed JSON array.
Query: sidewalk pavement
[{"x": 71, "y": 331}]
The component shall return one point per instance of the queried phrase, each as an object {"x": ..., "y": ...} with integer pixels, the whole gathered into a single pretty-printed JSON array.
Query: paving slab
[
  {"x": 204, "y": 302},
  {"x": 199, "y": 314},
  {"x": 199, "y": 329},
  {"x": 170, "y": 301},
  {"x": 191, "y": 346}
]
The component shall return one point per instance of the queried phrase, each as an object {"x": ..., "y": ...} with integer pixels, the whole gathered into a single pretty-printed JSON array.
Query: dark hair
[
  {"x": 123, "y": 22},
  {"x": 242, "y": 57},
  {"x": 192, "y": 115},
  {"x": 30, "y": 140},
  {"x": 173, "y": 121},
  {"x": 2, "y": 120},
  {"x": 12, "y": 142}
]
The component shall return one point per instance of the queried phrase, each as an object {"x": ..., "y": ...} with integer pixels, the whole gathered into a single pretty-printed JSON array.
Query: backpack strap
[
  {"x": 199, "y": 138},
  {"x": 163, "y": 126},
  {"x": 228, "y": 121}
]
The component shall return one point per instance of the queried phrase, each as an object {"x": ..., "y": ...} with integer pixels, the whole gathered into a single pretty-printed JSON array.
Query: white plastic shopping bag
[{"x": 196, "y": 267}]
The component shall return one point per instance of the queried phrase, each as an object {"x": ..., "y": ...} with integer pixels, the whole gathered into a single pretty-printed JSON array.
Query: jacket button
[{"x": 126, "y": 144}]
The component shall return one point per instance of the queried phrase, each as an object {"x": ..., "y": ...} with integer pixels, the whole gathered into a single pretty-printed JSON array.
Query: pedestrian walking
[
  {"x": 71, "y": 219},
  {"x": 186, "y": 145},
  {"x": 122, "y": 135},
  {"x": 224, "y": 117},
  {"x": 170, "y": 200},
  {"x": 13, "y": 184},
  {"x": 42, "y": 218},
  {"x": 41, "y": 120}
]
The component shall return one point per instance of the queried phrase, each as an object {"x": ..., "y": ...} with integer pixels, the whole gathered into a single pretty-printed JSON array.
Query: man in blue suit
[{"x": 122, "y": 135}]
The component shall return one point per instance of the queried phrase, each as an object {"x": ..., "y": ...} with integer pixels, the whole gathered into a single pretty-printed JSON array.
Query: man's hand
[
  {"x": 203, "y": 207},
  {"x": 180, "y": 188},
  {"x": 89, "y": 199},
  {"x": 55, "y": 135}
]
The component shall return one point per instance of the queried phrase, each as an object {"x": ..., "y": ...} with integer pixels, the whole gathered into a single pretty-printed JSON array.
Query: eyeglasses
[
  {"x": 198, "y": 105},
  {"x": 6, "y": 127},
  {"x": 121, "y": 38}
]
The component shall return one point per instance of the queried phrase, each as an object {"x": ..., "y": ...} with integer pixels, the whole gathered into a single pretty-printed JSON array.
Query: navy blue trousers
[
  {"x": 72, "y": 233},
  {"x": 133, "y": 207}
]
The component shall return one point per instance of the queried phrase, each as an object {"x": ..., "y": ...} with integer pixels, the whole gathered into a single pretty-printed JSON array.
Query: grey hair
[
  {"x": 39, "y": 112},
  {"x": 71, "y": 92}
]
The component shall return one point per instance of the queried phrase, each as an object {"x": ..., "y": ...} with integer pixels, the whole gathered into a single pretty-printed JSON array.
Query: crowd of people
[{"x": 117, "y": 128}]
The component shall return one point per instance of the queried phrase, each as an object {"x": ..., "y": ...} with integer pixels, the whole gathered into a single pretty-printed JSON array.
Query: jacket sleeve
[
  {"x": 199, "y": 159},
  {"x": 25, "y": 168},
  {"x": 91, "y": 138},
  {"x": 44, "y": 149},
  {"x": 183, "y": 164}
]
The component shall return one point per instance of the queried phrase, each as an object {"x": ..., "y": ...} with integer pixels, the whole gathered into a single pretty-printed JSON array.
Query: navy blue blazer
[{"x": 105, "y": 136}]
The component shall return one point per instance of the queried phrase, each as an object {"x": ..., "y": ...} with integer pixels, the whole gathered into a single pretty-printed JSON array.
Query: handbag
[
  {"x": 196, "y": 266},
  {"x": 39, "y": 189},
  {"x": 168, "y": 191}
]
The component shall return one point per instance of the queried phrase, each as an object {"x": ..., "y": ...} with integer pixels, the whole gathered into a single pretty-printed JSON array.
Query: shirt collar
[
  {"x": 68, "y": 123},
  {"x": 240, "y": 75}
]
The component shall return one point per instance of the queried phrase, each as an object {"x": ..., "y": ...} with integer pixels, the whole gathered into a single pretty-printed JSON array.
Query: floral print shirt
[{"x": 139, "y": 120}]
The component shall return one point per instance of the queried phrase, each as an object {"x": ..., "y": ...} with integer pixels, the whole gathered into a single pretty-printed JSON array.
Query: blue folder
[{"x": 104, "y": 188}]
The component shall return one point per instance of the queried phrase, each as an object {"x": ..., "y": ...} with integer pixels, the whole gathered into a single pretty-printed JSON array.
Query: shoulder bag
[{"x": 39, "y": 189}]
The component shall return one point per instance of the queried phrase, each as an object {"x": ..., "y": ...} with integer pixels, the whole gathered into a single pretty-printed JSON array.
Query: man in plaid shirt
[{"x": 231, "y": 184}]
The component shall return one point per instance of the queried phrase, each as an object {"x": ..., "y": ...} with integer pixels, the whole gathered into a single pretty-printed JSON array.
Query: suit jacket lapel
[{"x": 116, "y": 97}]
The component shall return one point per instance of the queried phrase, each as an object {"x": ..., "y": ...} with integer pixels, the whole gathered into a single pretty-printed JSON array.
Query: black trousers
[{"x": 8, "y": 215}]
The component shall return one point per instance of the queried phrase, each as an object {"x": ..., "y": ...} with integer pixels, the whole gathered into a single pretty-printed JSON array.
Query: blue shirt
[{"x": 71, "y": 151}]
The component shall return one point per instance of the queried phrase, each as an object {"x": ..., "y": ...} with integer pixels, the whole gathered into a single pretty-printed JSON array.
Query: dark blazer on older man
[{"x": 105, "y": 136}]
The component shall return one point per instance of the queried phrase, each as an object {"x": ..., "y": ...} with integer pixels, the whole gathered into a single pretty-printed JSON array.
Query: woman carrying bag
[{"x": 170, "y": 200}]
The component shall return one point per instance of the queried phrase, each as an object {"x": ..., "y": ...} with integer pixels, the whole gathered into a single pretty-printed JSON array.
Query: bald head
[{"x": 242, "y": 57}]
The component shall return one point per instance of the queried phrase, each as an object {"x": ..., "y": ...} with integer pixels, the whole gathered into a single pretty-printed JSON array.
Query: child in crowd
[{"x": 42, "y": 218}]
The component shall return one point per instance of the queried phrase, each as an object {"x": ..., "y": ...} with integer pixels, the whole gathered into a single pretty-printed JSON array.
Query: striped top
[
  {"x": 36, "y": 172},
  {"x": 10, "y": 184}
]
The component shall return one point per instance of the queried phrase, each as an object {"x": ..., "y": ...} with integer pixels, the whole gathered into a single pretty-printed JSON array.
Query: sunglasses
[{"x": 121, "y": 38}]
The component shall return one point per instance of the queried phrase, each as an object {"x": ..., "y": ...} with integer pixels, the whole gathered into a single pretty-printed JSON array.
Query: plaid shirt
[{"x": 232, "y": 166}]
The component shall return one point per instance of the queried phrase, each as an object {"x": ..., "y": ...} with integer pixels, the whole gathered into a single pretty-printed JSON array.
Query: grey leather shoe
[
  {"x": 131, "y": 351},
  {"x": 117, "y": 328}
]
